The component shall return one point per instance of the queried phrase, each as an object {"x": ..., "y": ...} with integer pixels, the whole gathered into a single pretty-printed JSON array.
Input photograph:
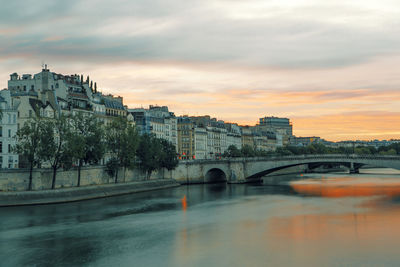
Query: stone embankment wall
[
  {"x": 15, "y": 198},
  {"x": 18, "y": 180}
]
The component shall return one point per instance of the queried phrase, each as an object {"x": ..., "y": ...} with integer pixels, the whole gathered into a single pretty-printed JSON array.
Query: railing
[{"x": 297, "y": 157}]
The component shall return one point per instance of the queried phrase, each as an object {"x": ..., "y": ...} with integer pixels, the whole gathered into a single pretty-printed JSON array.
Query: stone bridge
[{"x": 241, "y": 170}]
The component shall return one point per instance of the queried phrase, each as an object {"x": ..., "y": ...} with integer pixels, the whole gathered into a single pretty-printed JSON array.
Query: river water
[{"x": 319, "y": 220}]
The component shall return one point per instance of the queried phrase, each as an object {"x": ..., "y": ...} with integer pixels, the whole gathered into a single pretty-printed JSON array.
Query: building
[
  {"x": 66, "y": 94},
  {"x": 266, "y": 141},
  {"x": 234, "y": 135},
  {"x": 216, "y": 135},
  {"x": 258, "y": 139},
  {"x": 304, "y": 141},
  {"x": 247, "y": 136},
  {"x": 186, "y": 138},
  {"x": 48, "y": 94},
  {"x": 200, "y": 137},
  {"x": 8, "y": 130},
  {"x": 141, "y": 118},
  {"x": 273, "y": 124},
  {"x": 158, "y": 121},
  {"x": 192, "y": 139}
]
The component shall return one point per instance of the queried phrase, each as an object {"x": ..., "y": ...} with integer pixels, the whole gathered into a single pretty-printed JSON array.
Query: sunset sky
[{"x": 332, "y": 67}]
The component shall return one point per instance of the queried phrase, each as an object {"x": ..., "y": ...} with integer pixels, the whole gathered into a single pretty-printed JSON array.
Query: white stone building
[
  {"x": 200, "y": 137},
  {"x": 48, "y": 94},
  {"x": 8, "y": 129},
  {"x": 234, "y": 135},
  {"x": 216, "y": 141}
]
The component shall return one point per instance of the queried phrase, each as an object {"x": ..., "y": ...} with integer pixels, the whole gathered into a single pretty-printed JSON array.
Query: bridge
[{"x": 242, "y": 170}]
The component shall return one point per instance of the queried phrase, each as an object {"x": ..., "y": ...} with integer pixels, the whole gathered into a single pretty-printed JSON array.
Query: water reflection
[
  {"x": 348, "y": 187},
  {"x": 332, "y": 221}
]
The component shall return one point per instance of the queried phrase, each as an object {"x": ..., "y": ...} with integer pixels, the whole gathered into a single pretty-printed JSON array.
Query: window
[
  {"x": 1, "y": 131},
  {"x": 24, "y": 87},
  {"x": 9, "y": 132},
  {"x": 9, "y": 148},
  {"x": 14, "y": 118},
  {"x": 32, "y": 87},
  {"x": 9, "y": 118},
  {"x": 1, "y": 147}
]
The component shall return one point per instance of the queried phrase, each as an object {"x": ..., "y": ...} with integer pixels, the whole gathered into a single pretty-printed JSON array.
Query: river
[{"x": 318, "y": 220}]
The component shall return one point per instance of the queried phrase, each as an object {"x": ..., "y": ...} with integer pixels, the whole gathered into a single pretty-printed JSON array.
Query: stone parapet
[{"x": 62, "y": 195}]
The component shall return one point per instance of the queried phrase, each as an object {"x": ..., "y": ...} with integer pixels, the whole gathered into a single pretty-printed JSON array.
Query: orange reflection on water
[
  {"x": 297, "y": 231},
  {"x": 184, "y": 203},
  {"x": 370, "y": 228},
  {"x": 348, "y": 187}
]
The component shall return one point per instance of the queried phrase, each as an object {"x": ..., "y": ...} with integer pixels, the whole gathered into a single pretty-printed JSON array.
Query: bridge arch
[
  {"x": 242, "y": 170},
  {"x": 259, "y": 167},
  {"x": 258, "y": 175},
  {"x": 215, "y": 175}
]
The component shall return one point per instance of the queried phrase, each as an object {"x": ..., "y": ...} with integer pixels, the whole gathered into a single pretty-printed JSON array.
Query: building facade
[
  {"x": 273, "y": 124},
  {"x": 158, "y": 121},
  {"x": 8, "y": 130},
  {"x": 233, "y": 135}
]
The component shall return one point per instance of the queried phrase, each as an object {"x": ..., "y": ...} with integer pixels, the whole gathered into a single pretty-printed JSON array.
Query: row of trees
[
  {"x": 76, "y": 140},
  {"x": 248, "y": 151}
]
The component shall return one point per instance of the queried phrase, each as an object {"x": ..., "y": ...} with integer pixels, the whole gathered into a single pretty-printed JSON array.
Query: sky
[{"x": 332, "y": 67}]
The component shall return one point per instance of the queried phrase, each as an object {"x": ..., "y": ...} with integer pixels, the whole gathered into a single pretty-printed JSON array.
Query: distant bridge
[{"x": 241, "y": 170}]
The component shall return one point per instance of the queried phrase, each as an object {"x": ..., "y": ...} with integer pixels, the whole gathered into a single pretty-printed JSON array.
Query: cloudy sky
[{"x": 331, "y": 66}]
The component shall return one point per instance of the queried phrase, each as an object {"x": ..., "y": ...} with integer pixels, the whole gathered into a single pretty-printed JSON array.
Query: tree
[
  {"x": 394, "y": 146},
  {"x": 262, "y": 153},
  {"x": 29, "y": 144},
  {"x": 247, "y": 151},
  {"x": 168, "y": 157},
  {"x": 233, "y": 152},
  {"x": 345, "y": 150},
  {"x": 55, "y": 148},
  {"x": 361, "y": 150},
  {"x": 85, "y": 141},
  {"x": 155, "y": 153},
  {"x": 283, "y": 151},
  {"x": 148, "y": 154},
  {"x": 391, "y": 151},
  {"x": 122, "y": 141}
]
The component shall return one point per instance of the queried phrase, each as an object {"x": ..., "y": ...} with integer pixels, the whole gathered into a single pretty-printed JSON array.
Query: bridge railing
[
  {"x": 297, "y": 157},
  {"x": 328, "y": 156}
]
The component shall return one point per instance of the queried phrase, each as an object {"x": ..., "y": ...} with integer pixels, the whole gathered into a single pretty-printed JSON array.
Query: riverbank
[{"x": 62, "y": 195}]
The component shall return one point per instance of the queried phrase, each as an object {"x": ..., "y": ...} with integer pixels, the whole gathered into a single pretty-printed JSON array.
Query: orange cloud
[
  {"x": 356, "y": 126},
  {"x": 354, "y": 102}
]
